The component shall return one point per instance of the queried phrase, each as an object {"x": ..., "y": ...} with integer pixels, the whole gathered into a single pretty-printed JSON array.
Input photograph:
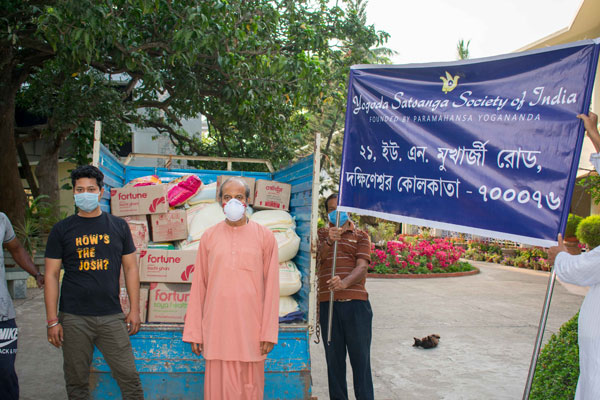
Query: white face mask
[{"x": 234, "y": 210}]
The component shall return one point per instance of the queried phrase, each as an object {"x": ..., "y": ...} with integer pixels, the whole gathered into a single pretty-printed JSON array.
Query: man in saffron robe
[{"x": 233, "y": 312}]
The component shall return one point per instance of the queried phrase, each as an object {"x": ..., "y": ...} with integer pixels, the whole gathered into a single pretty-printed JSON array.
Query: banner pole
[
  {"x": 331, "y": 294},
  {"x": 540, "y": 335}
]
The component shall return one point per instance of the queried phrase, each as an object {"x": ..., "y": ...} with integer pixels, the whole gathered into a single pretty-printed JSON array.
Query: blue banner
[{"x": 488, "y": 146}]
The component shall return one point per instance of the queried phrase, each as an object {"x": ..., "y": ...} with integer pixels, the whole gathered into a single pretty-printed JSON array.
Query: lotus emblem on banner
[{"x": 450, "y": 83}]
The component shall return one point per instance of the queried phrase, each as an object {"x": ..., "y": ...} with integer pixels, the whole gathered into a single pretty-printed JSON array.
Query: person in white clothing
[{"x": 584, "y": 270}]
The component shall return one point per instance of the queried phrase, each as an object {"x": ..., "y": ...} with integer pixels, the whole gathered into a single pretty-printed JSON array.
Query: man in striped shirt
[{"x": 352, "y": 315}]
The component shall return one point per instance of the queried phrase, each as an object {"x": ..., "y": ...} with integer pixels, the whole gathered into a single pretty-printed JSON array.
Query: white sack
[
  {"x": 207, "y": 194},
  {"x": 274, "y": 219},
  {"x": 201, "y": 217},
  {"x": 287, "y": 305},
  {"x": 290, "y": 279},
  {"x": 288, "y": 243}
]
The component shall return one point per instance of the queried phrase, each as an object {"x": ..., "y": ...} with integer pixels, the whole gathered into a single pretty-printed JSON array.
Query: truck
[{"x": 167, "y": 367}]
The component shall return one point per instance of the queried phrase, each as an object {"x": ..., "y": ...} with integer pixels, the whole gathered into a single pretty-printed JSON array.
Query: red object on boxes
[
  {"x": 272, "y": 195},
  {"x": 175, "y": 266},
  {"x": 139, "y": 200},
  {"x": 167, "y": 302},
  {"x": 249, "y": 181},
  {"x": 169, "y": 227}
]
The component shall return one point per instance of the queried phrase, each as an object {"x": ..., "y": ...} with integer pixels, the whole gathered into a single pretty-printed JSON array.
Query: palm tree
[{"x": 462, "y": 49}]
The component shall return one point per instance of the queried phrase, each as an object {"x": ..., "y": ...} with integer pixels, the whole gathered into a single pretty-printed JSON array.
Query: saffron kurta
[
  {"x": 234, "y": 300},
  {"x": 584, "y": 270}
]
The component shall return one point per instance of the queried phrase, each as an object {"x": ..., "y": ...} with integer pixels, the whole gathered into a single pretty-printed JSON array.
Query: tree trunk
[
  {"x": 46, "y": 171},
  {"x": 12, "y": 199},
  {"x": 330, "y": 137},
  {"x": 26, "y": 168}
]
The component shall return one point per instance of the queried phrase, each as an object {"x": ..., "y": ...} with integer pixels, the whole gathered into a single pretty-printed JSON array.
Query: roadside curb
[{"x": 424, "y": 276}]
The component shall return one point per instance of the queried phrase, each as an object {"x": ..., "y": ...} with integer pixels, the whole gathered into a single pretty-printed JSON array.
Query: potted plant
[
  {"x": 571, "y": 241},
  {"x": 40, "y": 216},
  {"x": 588, "y": 231}
]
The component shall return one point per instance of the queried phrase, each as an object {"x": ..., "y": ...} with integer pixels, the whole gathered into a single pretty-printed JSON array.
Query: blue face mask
[
  {"x": 87, "y": 202},
  {"x": 343, "y": 217}
]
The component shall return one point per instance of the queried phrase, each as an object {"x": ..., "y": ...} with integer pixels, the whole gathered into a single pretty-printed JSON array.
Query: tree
[
  {"x": 255, "y": 69},
  {"x": 462, "y": 49},
  {"x": 360, "y": 44}
]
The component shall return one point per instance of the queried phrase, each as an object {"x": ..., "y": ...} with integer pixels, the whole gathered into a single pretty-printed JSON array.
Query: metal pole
[
  {"x": 540, "y": 335},
  {"x": 331, "y": 293}
]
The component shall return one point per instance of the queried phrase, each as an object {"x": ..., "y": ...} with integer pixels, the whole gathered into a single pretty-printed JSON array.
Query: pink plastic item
[
  {"x": 183, "y": 189},
  {"x": 145, "y": 181}
]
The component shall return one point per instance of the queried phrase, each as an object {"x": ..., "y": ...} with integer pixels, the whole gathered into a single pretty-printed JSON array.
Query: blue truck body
[{"x": 167, "y": 367}]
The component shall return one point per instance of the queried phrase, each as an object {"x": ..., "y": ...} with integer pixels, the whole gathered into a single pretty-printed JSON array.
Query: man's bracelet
[
  {"x": 38, "y": 274},
  {"x": 52, "y": 325}
]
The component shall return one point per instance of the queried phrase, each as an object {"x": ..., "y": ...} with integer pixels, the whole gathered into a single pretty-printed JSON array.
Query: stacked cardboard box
[
  {"x": 169, "y": 226},
  {"x": 272, "y": 195},
  {"x": 165, "y": 274},
  {"x": 168, "y": 302},
  {"x": 170, "y": 275}
]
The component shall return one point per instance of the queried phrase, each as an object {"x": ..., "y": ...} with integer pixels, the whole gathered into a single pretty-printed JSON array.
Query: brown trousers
[{"x": 109, "y": 334}]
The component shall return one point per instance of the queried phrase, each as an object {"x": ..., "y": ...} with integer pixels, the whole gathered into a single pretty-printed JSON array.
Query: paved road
[{"x": 487, "y": 324}]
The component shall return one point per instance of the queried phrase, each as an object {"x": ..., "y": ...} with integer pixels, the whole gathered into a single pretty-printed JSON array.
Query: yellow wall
[
  {"x": 66, "y": 201},
  {"x": 66, "y": 196}
]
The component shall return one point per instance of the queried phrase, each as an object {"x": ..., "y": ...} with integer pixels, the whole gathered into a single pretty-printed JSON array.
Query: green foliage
[
  {"x": 40, "y": 217},
  {"x": 382, "y": 269},
  {"x": 572, "y": 223},
  {"x": 259, "y": 71},
  {"x": 462, "y": 49},
  {"x": 382, "y": 231},
  {"x": 484, "y": 247},
  {"x": 591, "y": 184},
  {"x": 355, "y": 43},
  {"x": 321, "y": 223},
  {"x": 531, "y": 258},
  {"x": 588, "y": 231},
  {"x": 28, "y": 235},
  {"x": 558, "y": 365}
]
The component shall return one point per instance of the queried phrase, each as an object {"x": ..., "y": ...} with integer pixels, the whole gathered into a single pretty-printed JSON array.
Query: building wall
[{"x": 66, "y": 201}]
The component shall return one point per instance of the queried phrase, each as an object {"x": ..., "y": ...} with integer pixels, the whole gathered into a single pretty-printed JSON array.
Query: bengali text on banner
[{"x": 487, "y": 147}]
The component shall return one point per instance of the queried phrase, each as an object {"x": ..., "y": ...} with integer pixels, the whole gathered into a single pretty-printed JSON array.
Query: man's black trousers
[{"x": 351, "y": 334}]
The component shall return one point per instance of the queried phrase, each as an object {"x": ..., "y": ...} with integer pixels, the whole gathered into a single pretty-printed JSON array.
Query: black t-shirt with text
[{"x": 91, "y": 250}]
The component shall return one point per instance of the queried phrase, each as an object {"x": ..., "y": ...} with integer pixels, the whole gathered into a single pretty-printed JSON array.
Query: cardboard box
[
  {"x": 174, "y": 266},
  {"x": 272, "y": 195},
  {"x": 150, "y": 199},
  {"x": 168, "y": 302},
  {"x": 144, "y": 293},
  {"x": 138, "y": 225},
  {"x": 125, "y": 305},
  {"x": 169, "y": 227},
  {"x": 249, "y": 181}
]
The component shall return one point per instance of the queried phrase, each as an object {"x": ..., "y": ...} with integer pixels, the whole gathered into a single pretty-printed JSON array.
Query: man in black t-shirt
[{"x": 92, "y": 245}]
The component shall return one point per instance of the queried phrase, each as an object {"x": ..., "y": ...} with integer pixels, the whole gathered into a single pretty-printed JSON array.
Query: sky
[{"x": 429, "y": 30}]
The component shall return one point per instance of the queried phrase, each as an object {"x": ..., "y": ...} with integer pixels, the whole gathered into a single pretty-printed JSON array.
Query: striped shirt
[{"x": 354, "y": 244}]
